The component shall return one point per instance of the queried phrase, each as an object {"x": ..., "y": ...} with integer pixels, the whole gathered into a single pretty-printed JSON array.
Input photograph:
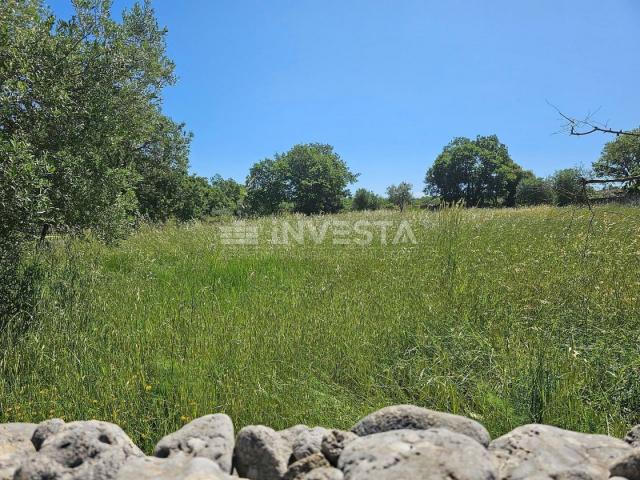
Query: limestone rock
[
  {"x": 46, "y": 429},
  {"x": 90, "y": 450},
  {"x": 210, "y": 437},
  {"x": 299, "y": 469},
  {"x": 290, "y": 434},
  {"x": 176, "y": 467},
  {"x": 633, "y": 437},
  {"x": 261, "y": 453},
  {"x": 627, "y": 466},
  {"x": 324, "y": 473},
  {"x": 334, "y": 442},
  {"x": 435, "y": 454},
  {"x": 401, "y": 417},
  {"x": 307, "y": 442},
  {"x": 546, "y": 452},
  {"x": 15, "y": 445}
]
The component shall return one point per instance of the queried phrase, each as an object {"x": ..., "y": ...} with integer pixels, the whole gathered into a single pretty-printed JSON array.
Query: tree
[
  {"x": 567, "y": 186},
  {"x": 479, "y": 171},
  {"x": 400, "y": 194},
  {"x": 365, "y": 199},
  {"x": 621, "y": 159},
  {"x": 84, "y": 96},
  {"x": 311, "y": 178},
  {"x": 227, "y": 196},
  {"x": 83, "y": 140},
  {"x": 266, "y": 187},
  {"x": 534, "y": 191}
]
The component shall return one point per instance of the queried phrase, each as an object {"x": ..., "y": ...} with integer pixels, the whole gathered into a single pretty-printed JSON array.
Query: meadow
[{"x": 509, "y": 316}]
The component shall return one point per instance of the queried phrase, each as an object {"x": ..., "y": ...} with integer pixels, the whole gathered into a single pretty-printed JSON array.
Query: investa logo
[
  {"x": 338, "y": 232},
  {"x": 342, "y": 232}
]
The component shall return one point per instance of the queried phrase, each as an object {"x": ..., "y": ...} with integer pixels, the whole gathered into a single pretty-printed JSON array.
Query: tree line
[{"x": 85, "y": 146}]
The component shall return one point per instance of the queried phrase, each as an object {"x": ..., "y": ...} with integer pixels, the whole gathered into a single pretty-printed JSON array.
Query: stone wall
[{"x": 395, "y": 443}]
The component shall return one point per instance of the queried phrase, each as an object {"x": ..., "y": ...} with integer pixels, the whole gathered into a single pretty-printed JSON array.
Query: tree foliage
[
  {"x": 309, "y": 178},
  {"x": 567, "y": 187},
  {"x": 83, "y": 96},
  {"x": 621, "y": 158},
  {"x": 365, "y": 199},
  {"x": 533, "y": 190},
  {"x": 83, "y": 140},
  {"x": 400, "y": 195},
  {"x": 480, "y": 172}
]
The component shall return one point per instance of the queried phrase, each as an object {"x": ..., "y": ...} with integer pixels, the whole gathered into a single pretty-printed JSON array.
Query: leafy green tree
[
  {"x": 365, "y": 199},
  {"x": 567, "y": 187},
  {"x": 227, "y": 196},
  {"x": 266, "y": 187},
  {"x": 312, "y": 178},
  {"x": 479, "y": 171},
  {"x": 621, "y": 158},
  {"x": 534, "y": 191},
  {"x": 400, "y": 195},
  {"x": 85, "y": 96},
  {"x": 83, "y": 140},
  {"x": 317, "y": 178}
]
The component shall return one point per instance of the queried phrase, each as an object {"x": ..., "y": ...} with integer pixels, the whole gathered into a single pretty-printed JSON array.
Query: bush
[
  {"x": 534, "y": 191},
  {"x": 365, "y": 200},
  {"x": 567, "y": 187}
]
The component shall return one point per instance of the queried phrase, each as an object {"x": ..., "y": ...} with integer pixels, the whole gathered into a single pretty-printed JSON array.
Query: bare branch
[
  {"x": 634, "y": 178},
  {"x": 588, "y": 126}
]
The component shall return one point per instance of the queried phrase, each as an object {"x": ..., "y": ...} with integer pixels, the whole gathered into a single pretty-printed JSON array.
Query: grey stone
[
  {"x": 633, "y": 437},
  {"x": 90, "y": 450},
  {"x": 435, "y": 454},
  {"x": 401, "y": 417},
  {"x": 334, "y": 442},
  {"x": 290, "y": 434},
  {"x": 308, "y": 442},
  {"x": 46, "y": 429},
  {"x": 324, "y": 473},
  {"x": 261, "y": 453},
  {"x": 546, "y": 452},
  {"x": 178, "y": 466},
  {"x": 15, "y": 445},
  {"x": 297, "y": 470},
  {"x": 627, "y": 466},
  {"x": 210, "y": 437}
]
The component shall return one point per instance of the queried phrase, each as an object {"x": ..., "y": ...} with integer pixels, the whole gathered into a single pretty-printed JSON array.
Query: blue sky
[{"x": 389, "y": 83}]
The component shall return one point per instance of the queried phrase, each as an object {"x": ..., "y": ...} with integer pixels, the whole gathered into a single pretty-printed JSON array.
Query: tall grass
[{"x": 508, "y": 316}]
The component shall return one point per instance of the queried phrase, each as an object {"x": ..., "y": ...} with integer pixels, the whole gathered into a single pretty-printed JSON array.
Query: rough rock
[
  {"x": 324, "y": 473},
  {"x": 299, "y": 469},
  {"x": 210, "y": 437},
  {"x": 633, "y": 437},
  {"x": 401, "y": 417},
  {"x": 290, "y": 434},
  {"x": 546, "y": 452},
  {"x": 46, "y": 429},
  {"x": 627, "y": 466},
  {"x": 307, "y": 442},
  {"x": 261, "y": 453},
  {"x": 79, "y": 451},
  {"x": 15, "y": 445},
  {"x": 435, "y": 454},
  {"x": 178, "y": 466},
  {"x": 334, "y": 442}
]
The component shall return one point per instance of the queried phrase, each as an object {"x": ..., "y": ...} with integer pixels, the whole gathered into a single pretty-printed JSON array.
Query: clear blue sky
[{"x": 389, "y": 83}]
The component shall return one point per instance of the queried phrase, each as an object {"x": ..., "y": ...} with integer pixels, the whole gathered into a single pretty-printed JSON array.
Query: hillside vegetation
[{"x": 507, "y": 316}]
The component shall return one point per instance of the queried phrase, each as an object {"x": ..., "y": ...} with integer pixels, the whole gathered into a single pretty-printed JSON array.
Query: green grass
[{"x": 507, "y": 316}]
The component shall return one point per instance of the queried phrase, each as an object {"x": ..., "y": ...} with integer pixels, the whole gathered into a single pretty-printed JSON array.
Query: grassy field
[{"x": 507, "y": 316}]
